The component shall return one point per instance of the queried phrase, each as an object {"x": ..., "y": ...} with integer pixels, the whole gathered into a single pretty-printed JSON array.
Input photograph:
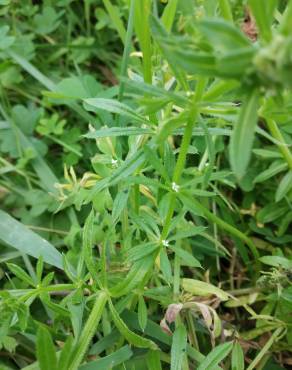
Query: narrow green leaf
[
  {"x": 114, "y": 14},
  {"x": 284, "y": 187},
  {"x": 20, "y": 237},
  {"x": 155, "y": 162},
  {"x": 187, "y": 258},
  {"x": 134, "y": 277},
  {"x": 46, "y": 352},
  {"x": 225, "y": 10},
  {"x": 237, "y": 358},
  {"x": 263, "y": 16},
  {"x": 39, "y": 269},
  {"x": 275, "y": 168},
  {"x": 169, "y": 14},
  {"x": 118, "y": 131},
  {"x": 131, "y": 337},
  {"x": 65, "y": 354},
  {"x": 165, "y": 266},
  {"x": 113, "y": 106},
  {"x": 119, "y": 204},
  {"x": 20, "y": 273},
  {"x": 216, "y": 356},
  {"x": 243, "y": 135},
  {"x": 142, "y": 313},
  {"x": 87, "y": 244},
  {"x": 141, "y": 251},
  {"x": 178, "y": 347},
  {"x": 111, "y": 361},
  {"x": 153, "y": 360}
]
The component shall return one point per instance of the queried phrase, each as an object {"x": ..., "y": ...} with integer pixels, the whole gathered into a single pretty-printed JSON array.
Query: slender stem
[
  {"x": 180, "y": 164},
  {"x": 225, "y": 10},
  {"x": 276, "y": 133},
  {"x": 125, "y": 60},
  {"x": 265, "y": 348},
  {"x": 225, "y": 226}
]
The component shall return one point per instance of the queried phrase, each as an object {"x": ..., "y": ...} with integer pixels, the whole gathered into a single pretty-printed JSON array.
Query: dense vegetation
[{"x": 145, "y": 184}]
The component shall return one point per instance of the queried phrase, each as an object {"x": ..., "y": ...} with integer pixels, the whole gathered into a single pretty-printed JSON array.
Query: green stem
[
  {"x": 88, "y": 331},
  {"x": 127, "y": 48},
  {"x": 285, "y": 26},
  {"x": 125, "y": 60},
  {"x": 276, "y": 133},
  {"x": 180, "y": 164}
]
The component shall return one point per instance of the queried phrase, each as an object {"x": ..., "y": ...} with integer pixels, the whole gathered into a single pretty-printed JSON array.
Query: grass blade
[{"x": 21, "y": 238}]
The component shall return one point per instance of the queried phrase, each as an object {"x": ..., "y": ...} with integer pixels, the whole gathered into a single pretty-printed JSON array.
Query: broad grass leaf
[
  {"x": 216, "y": 356},
  {"x": 130, "y": 336},
  {"x": 201, "y": 288},
  {"x": 284, "y": 187},
  {"x": 178, "y": 347},
  {"x": 46, "y": 352},
  {"x": 23, "y": 239},
  {"x": 243, "y": 134},
  {"x": 237, "y": 357},
  {"x": 45, "y": 81}
]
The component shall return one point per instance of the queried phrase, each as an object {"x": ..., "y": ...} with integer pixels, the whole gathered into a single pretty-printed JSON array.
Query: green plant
[{"x": 163, "y": 202}]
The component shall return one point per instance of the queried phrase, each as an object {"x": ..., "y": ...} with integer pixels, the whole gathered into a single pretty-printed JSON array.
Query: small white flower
[
  {"x": 175, "y": 187},
  {"x": 114, "y": 162},
  {"x": 165, "y": 243}
]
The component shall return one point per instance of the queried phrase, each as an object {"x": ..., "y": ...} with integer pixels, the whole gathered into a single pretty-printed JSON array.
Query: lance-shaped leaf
[{"x": 243, "y": 134}]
